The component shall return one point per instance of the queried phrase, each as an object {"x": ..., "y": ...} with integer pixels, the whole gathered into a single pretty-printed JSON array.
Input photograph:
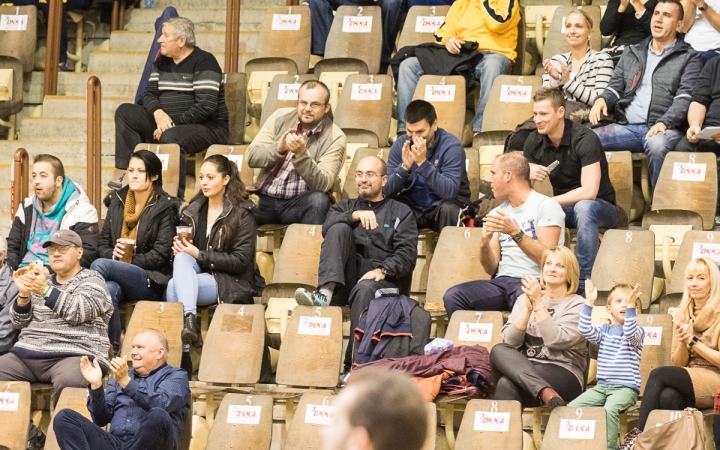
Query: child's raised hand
[
  {"x": 590, "y": 293},
  {"x": 634, "y": 294}
]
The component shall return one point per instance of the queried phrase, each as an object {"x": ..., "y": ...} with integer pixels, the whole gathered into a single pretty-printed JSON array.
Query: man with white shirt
[{"x": 702, "y": 27}]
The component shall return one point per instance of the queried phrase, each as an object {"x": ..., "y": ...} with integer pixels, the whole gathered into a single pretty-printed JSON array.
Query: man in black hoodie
[{"x": 370, "y": 247}]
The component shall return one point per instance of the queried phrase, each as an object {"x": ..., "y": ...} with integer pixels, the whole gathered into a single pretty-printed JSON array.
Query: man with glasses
[
  {"x": 370, "y": 246},
  {"x": 300, "y": 153},
  {"x": 61, "y": 318}
]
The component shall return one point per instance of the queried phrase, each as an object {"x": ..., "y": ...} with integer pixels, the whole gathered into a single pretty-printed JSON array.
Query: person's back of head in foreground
[{"x": 378, "y": 410}]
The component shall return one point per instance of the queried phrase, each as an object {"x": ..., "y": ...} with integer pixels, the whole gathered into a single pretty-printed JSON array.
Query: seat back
[
  {"x": 235, "y": 153},
  {"x": 260, "y": 73},
  {"x": 234, "y": 345},
  {"x": 242, "y": 418},
  {"x": 421, "y": 23},
  {"x": 70, "y": 398},
  {"x": 656, "y": 344},
  {"x": 575, "y": 429},
  {"x": 285, "y": 33},
  {"x": 510, "y": 101},
  {"x": 447, "y": 95},
  {"x": 299, "y": 256},
  {"x": 312, "y": 413},
  {"x": 236, "y": 101},
  {"x": 472, "y": 167},
  {"x": 349, "y": 190},
  {"x": 20, "y": 41},
  {"x": 475, "y": 328},
  {"x": 366, "y": 104},
  {"x": 491, "y": 424},
  {"x": 556, "y": 41},
  {"x": 625, "y": 257},
  {"x": 518, "y": 64},
  {"x": 162, "y": 316},
  {"x": 688, "y": 182},
  {"x": 695, "y": 244},
  {"x": 283, "y": 93},
  {"x": 311, "y": 349},
  {"x": 11, "y": 86},
  {"x": 356, "y": 33},
  {"x": 456, "y": 260},
  {"x": 14, "y": 413},
  {"x": 169, "y": 155},
  {"x": 621, "y": 178}
]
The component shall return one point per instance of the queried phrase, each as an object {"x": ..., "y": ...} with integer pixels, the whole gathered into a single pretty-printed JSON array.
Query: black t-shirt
[
  {"x": 707, "y": 92},
  {"x": 579, "y": 147},
  {"x": 201, "y": 238}
]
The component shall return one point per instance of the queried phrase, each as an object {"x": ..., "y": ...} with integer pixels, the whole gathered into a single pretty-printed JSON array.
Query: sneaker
[
  {"x": 305, "y": 298},
  {"x": 343, "y": 378},
  {"x": 629, "y": 441}
]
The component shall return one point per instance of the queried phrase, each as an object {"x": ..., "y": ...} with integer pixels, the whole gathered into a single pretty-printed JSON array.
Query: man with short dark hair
[
  {"x": 426, "y": 170},
  {"x": 572, "y": 156},
  {"x": 299, "y": 152}
]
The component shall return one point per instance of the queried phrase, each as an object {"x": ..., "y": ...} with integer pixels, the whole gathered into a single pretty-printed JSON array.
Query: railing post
[
  {"x": 94, "y": 142},
  {"x": 232, "y": 36},
  {"x": 52, "y": 54},
  {"x": 19, "y": 180}
]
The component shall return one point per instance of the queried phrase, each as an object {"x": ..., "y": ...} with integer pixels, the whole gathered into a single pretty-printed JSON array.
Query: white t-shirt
[
  {"x": 702, "y": 35},
  {"x": 537, "y": 211}
]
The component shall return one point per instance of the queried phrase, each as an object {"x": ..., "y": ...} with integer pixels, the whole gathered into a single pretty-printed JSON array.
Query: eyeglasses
[
  {"x": 314, "y": 105},
  {"x": 368, "y": 175},
  {"x": 59, "y": 248}
]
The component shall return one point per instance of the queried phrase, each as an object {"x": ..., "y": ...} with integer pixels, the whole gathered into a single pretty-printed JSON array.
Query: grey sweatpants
[{"x": 61, "y": 372}]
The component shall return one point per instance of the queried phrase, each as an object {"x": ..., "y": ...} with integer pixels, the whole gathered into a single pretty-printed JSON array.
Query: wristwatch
[
  {"x": 518, "y": 237},
  {"x": 384, "y": 271},
  {"x": 694, "y": 341}
]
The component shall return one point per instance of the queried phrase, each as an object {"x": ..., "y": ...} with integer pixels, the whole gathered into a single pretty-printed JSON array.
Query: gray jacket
[
  {"x": 673, "y": 82},
  {"x": 8, "y": 294}
]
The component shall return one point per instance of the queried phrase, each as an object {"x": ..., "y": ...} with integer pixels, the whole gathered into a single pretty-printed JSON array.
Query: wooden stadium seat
[
  {"x": 260, "y": 74},
  {"x": 312, "y": 413},
  {"x": 688, "y": 182},
  {"x": 311, "y": 349},
  {"x": 510, "y": 102},
  {"x": 557, "y": 43},
  {"x": 420, "y": 25},
  {"x": 366, "y": 104},
  {"x": 491, "y": 424},
  {"x": 297, "y": 262},
  {"x": 475, "y": 328},
  {"x": 349, "y": 190},
  {"x": 620, "y": 173},
  {"x": 162, "y": 316},
  {"x": 625, "y": 257},
  {"x": 563, "y": 420},
  {"x": 72, "y": 398},
  {"x": 356, "y": 34},
  {"x": 243, "y": 421},
  {"x": 656, "y": 345},
  {"x": 236, "y": 101},
  {"x": 20, "y": 44},
  {"x": 520, "y": 47},
  {"x": 487, "y": 154},
  {"x": 334, "y": 73},
  {"x": 11, "y": 91},
  {"x": 14, "y": 414},
  {"x": 237, "y": 154},
  {"x": 545, "y": 188},
  {"x": 285, "y": 33},
  {"x": 281, "y": 94},
  {"x": 356, "y": 139},
  {"x": 447, "y": 95},
  {"x": 170, "y": 156},
  {"x": 472, "y": 167}
]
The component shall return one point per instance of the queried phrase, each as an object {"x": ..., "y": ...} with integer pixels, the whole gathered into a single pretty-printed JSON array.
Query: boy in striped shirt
[{"x": 618, "y": 362}]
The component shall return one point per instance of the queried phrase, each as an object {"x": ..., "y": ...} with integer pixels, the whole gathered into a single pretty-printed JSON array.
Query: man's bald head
[{"x": 370, "y": 178}]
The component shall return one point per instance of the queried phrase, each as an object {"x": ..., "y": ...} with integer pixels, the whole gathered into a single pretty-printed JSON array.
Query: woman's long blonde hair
[
  {"x": 572, "y": 269},
  {"x": 713, "y": 302}
]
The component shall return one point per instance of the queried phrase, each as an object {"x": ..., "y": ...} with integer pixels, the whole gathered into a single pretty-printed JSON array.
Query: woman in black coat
[{"x": 143, "y": 212}]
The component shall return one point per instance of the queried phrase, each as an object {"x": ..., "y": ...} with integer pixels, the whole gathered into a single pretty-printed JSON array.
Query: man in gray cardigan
[{"x": 300, "y": 153}]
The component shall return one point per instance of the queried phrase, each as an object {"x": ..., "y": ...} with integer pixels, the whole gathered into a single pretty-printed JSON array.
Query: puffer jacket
[
  {"x": 673, "y": 82},
  {"x": 8, "y": 295},
  {"x": 230, "y": 259},
  {"x": 155, "y": 232}
]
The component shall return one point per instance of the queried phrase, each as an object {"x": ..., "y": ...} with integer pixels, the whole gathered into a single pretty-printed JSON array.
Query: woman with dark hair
[
  {"x": 217, "y": 263},
  {"x": 136, "y": 240}
]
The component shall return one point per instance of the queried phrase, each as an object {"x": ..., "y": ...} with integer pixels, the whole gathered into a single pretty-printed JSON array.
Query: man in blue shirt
[
  {"x": 426, "y": 170},
  {"x": 145, "y": 406}
]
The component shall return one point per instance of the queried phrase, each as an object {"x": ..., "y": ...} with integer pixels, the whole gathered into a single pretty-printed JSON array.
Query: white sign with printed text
[
  {"x": 286, "y": 22},
  {"x": 357, "y": 24},
  {"x": 475, "y": 332},
  {"x": 492, "y": 421},
  {"x": 9, "y": 401},
  {"x": 12, "y": 22},
  {"x": 244, "y": 414},
  {"x": 515, "y": 94},
  {"x": 366, "y": 91},
  {"x": 653, "y": 335},
  {"x": 288, "y": 91},
  {"x": 439, "y": 93},
  {"x": 688, "y": 172},
  {"x": 164, "y": 159},
  {"x": 315, "y": 326},
  {"x": 237, "y": 159},
  {"x": 428, "y": 24},
  {"x": 319, "y": 414},
  {"x": 711, "y": 251},
  {"x": 577, "y": 429}
]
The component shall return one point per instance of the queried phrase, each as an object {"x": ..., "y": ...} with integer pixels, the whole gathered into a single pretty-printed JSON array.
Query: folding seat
[
  {"x": 72, "y": 398},
  {"x": 557, "y": 43},
  {"x": 656, "y": 344},
  {"x": 236, "y": 154},
  {"x": 349, "y": 190},
  {"x": 475, "y": 328},
  {"x": 169, "y": 155},
  {"x": 366, "y": 105},
  {"x": 447, "y": 95},
  {"x": 472, "y": 167},
  {"x": 491, "y": 424},
  {"x": 575, "y": 429},
  {"x": 163, "y": 316},
  {"x": 14, "y": 414},
  {"x": 245, "y": 419},
  {"x": 620, "y": 173},
  {"x": 510, "y": 102},
  {"x": 236, "y": 102},
  {"x": 282, "y": 93},
  {"x": 312, "y": 413},
  {"x": 420, "y": 25}
]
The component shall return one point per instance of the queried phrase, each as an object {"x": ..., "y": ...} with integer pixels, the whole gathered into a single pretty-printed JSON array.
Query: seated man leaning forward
[
  {"x": 370, "y": 245},
  {"x": 515, "y": 235},
  {"x": 426, "y": 170},
  {"x": 300, "y": 152},
  {"x": 145, "y": 407}
]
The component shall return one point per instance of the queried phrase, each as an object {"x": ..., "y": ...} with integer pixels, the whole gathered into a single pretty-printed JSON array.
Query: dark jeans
[
  {"x": 126, "y": 283},
  {"x": 308, "y": 208},
  {"x": 520, "y": 378},
  {"x": 61, "y": 372},
  {"x": 75, "y": 432},
  {"x": 666, "y": 388},
  {"x": 446, "y": 214},
  {"x": 498, "y": 294},
  {"x": 134, "y": 125}
]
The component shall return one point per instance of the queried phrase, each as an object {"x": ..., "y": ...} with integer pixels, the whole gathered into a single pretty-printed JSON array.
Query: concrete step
[
  {"x": 76, "y": 106},
  {"x": 62, "y": 129},
  {"x": 212, "y": 4},
  {"x": 134, "y": 62},
  {"x": 203, "y": 19},
  {"x": 211, "y": 41},
  {"x": 75, "y": 84}
]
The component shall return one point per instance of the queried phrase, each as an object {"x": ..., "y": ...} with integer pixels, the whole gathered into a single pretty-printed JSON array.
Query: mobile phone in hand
[{"x": 553, "y": 165}]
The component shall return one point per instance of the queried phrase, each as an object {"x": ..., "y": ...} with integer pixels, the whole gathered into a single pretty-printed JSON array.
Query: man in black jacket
[{"x": 370, "y": 247}]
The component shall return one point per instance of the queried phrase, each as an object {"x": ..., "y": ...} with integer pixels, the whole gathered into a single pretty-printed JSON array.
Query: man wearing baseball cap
[{"x": 62, "y": 317}]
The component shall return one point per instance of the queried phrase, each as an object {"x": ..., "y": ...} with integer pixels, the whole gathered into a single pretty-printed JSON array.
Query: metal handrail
[
  {"x": 94, "y": 142},
  {"x": 52, "y": 53},
  {"x": 232, "y": 35},
  {"x": 19, "y": 180}
]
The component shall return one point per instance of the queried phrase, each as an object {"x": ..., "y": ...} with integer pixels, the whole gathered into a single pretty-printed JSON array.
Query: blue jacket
[{"x": 444, "y": 172}]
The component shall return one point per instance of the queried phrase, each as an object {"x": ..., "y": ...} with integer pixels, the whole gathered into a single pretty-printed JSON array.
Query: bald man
[
  {"x": 145, "y": 406},
  {"x": 370, "y": 246}
]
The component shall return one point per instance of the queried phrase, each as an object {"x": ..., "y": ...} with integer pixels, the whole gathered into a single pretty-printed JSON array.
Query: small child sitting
[{"x": 618, "y": 363}]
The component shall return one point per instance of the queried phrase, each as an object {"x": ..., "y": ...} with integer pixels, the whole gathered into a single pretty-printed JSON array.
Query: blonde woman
[
  {"x": 543, "y": 357},
  {"x": 694, "y": 376}
]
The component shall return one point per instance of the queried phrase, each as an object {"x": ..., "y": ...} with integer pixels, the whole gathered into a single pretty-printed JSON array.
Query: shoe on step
[
  {"x": 191, "y": 331},
  {"x": 306, "y": 298}
]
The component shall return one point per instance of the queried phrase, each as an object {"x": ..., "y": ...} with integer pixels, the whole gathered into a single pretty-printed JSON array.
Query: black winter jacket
[
  {"x": 673, "y": 82},
  {"x": 155, "y": 232},
  {"x": 230, "y": 259}
]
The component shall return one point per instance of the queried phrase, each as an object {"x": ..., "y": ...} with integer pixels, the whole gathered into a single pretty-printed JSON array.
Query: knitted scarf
[{"x": 131, "y": 217}]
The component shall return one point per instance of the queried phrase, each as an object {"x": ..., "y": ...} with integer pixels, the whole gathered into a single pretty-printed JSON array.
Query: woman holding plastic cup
[{"x": 136, "y": 240}]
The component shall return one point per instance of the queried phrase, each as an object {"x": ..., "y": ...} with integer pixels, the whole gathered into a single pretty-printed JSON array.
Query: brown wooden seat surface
[
  {"x": 451, "y": 111},
  {"x": 236, "y": 101},
  {"x": 299, "y": 256},
  {"x": 72, "y": 398},
  {"x": 276, "y": 40},
  {"x": 15, "y": 414},
  {"x": 356, "y": 111},
  {"x": 510, "y": 102},
  {"x": 242, "y": 422},
  {"x": 559, "y": 419},
  {"x": 20, "y": 44},
  {"x": 475, "y": 328},
  {"x": 236, "y": 153},
  {"x": 704, "y": 244},
  {"x": 556, "y": 43},
  {"x": 285, "y": 98},
  {"x": 364, "y": 46},
  {"x": 491, "y": 424},
  {"x": 162, "y": 316},
  {"x": 171, "y": 174},
  {"x": 311, "y": 415},
  {"x": 472, "y": 164},
  {"x": 621, "y": 178},
  {"x": 349, "y": 190},
  {"x": 418, "y": 22},
  {"x": 654, "y": 353}
]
